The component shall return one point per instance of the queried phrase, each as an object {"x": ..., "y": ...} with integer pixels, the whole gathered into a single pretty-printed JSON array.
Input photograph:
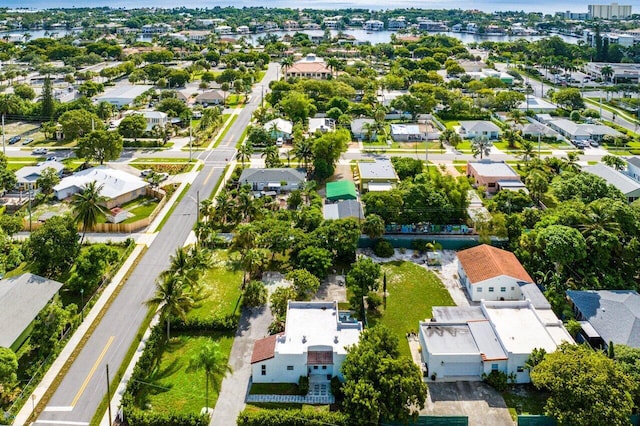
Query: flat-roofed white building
[
  {"x": 314, "y": 344},
  {"x": 462, "y": 343},
  {"x": 123, "y": 95}
]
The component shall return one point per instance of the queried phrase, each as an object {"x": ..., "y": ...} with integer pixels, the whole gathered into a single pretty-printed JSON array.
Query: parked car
[
  {"x": 51, "y": 158},
  {"x": 40, "y": 151},
  {"x": 27, "y": 141},
  {"x": 14, "y": 139},
  {"x": 163, "y": 176},
  {"x": 146, "y": 172},
  {"x": 594, "y": 144},
  {"x": 279, "y": 142}
]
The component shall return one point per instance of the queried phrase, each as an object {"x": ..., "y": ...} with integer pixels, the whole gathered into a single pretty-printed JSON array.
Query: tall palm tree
[
  {"x": 303, "y": 151},
  {"x": 527, "y": 151},
  {"x": 481, "y": 145},
  {"x": 183, "y": 267},
  {"x": 244, "y": 152},
  {"x": 87, "y": 207},
  {"x": 607, "y": 71},
  {"x": 209, "y": 358},
  {"x": 271, "y": 156},
  {"x": 286, "y": 63},
  {"x": 173, "y": 298}
]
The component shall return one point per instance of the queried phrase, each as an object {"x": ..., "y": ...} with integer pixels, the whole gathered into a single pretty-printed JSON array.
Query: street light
[{"x": 82, "y": 303}]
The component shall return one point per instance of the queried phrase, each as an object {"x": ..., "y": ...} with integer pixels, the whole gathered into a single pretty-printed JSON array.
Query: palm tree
[
  {"x": 303, "y": 151},
  {"x": 373, "y": 226},
  {"x": 571, "y": 162},
  {"x": 286, "y": 63},
  {"x": 183, "y": 267},
  {"x": 244, "y": 152},
  {"x": 527, "y": 151},
  {"x": 481, "y": 145},
  {"x": 173, "y": 299},
  {"x": 512, "y": 137},
  {"x": 334, "y": 64},
  {"x": 87, "y": 206},
  {"x": 607, "y": 72},
  {"x": 210, "y": 359},
  {"x": 271, "y": 156}
]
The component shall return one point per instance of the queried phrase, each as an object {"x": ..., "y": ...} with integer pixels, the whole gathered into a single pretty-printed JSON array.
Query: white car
[{"x": 40, "y": 151}]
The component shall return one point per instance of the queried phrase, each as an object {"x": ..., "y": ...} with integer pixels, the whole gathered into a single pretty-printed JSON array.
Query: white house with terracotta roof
[
  {"x": 490, "y": 273},
  {"x": 309, "y": 67},
  {"x": 314, "y": 344}
]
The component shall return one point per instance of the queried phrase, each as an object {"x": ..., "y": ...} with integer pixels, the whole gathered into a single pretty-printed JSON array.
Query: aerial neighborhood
[{"x": 276, "y": 216}]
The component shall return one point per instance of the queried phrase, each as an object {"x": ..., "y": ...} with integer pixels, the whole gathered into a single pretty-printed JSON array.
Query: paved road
[{"x": 83, "y": 387}]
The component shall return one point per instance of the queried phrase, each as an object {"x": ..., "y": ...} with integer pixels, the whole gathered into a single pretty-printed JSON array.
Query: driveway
[
  {"x": 253, "y": 326},
  {"x": 482, "y": 404}
]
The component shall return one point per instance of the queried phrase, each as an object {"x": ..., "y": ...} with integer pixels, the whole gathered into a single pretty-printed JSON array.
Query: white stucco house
[
  {"x": 475, "y": 128},
  {"x": 118, "y": 186},
  {"x": 490, "y": 273},
  {"x": 313, "y": 344},
  {"x": 628, "y": 186},
  {"x": 280, "y": 179},
  {"x": 462, "y": 343}
]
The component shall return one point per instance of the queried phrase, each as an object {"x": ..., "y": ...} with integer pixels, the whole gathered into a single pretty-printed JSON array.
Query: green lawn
[
  {"x": 235, "y": 100},
  {"x": 142, "y": 210},
  {"x": 221, "y": 290},
  {"x": 274, "y": 389},
  {"x": 171, "y": 388},
  {"x": 523, "y": 399},
  {"x": 409, "y": 285}
]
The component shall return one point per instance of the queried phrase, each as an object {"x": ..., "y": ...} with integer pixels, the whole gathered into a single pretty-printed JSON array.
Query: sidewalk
[
  {"x": 76, "y": 338},
  {"x": 142, "y": 239}
]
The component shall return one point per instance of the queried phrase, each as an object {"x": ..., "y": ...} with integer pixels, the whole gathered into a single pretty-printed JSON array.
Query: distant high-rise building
[{"x": 609, "y": 11}]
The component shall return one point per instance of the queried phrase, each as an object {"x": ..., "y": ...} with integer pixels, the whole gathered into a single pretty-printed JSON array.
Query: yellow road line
[
  {"x": 208, "y": 176},
  {"x": 93, "y": 370}
]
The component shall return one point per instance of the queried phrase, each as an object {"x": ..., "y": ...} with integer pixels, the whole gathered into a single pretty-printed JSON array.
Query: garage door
[{"x": 463, "y": 369}]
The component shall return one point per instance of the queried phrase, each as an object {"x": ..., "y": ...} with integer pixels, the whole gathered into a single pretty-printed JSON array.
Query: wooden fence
[{"x": 120, "y": 228}]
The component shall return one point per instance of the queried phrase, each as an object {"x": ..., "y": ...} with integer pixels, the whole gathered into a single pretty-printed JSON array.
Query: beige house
[
  {"x": 494, "y": 175},
  {"x": 309, "y": 67}
]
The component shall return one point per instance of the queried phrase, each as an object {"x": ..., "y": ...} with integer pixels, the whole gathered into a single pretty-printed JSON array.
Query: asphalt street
[{"x": 85, "y": 384}]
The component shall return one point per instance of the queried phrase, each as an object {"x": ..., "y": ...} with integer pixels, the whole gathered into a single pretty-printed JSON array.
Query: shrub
[
  {"x": 291, "y": 418},
  {"x": 336, "y": 388},
  {"x": 383, "y": 248},
  {"x": 373, "y": 301},
  {"x": 303, "y": 385},
  {"x": 497, "y": 380},
  {"x": 254, "y": 295},
  {"x": 227, "y": 322}
]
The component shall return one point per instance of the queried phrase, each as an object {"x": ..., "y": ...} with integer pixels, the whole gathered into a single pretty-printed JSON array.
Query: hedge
[
  {"x": 218, "y": 323},
  {"x": 290, "y": 418}
]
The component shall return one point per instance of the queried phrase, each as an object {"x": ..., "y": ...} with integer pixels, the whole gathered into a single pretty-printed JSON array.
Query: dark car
[{"x": 14, "y": 139}]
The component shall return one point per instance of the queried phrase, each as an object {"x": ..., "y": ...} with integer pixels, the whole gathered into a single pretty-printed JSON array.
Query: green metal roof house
[{"x": 341, "y": 190}]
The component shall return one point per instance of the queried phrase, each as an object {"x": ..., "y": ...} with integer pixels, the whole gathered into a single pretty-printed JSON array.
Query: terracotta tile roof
[
  {"x": 484, "y": 262},
  {"x": 319, "y": 358},
  {"x": 264, "y": 348},
  {"x": 308, "y": 67}
]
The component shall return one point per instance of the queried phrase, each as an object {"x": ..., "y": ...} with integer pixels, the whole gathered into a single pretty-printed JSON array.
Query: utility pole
[
  {"x": 4, "y": 149},
  {"x": 262, "y": 96},
  {"x": 190, "y": 141},
  {"x": 197, "y": 206},
  {"x": 109, "y": 395}
]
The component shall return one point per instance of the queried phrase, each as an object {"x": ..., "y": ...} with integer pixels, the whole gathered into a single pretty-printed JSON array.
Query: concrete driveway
[
  {"x": 253, "y": 326},
  {"x": 482, "y": 404}
]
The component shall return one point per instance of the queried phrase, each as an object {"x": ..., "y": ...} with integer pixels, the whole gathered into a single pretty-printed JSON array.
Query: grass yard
[
  {"x": 171, "y": 388},
  {"x": 410, "y": 285},
  {"x": 221, "y": 290},
  {"x": 523, "y": 399},
  {"x": 274, "y": 389},
  {"x": 235, "y": 100}
]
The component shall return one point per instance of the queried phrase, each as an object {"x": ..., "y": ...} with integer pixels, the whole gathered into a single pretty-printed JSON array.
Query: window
[
  {"x": 324, "y": 367},
  {"x": 491, "y": 185},
  {"x": 490, "y": 289},
  {"x": 315, "y": 367},
  {"x": 520, "y": 369},
  {"x": 290, "y": 367},
  {"x": 479, "y": 289},
  {"x": 503, "y": 289},
  {"x": 494, "y": 367},
  {"x": 513, "y": 288},
  {"x": 264, "y": 370}
]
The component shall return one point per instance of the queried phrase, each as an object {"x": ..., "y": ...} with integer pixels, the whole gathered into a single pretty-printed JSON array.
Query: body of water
[
  {"x": 545, "y": 6},
  {"x": 374, "y": 37}
]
